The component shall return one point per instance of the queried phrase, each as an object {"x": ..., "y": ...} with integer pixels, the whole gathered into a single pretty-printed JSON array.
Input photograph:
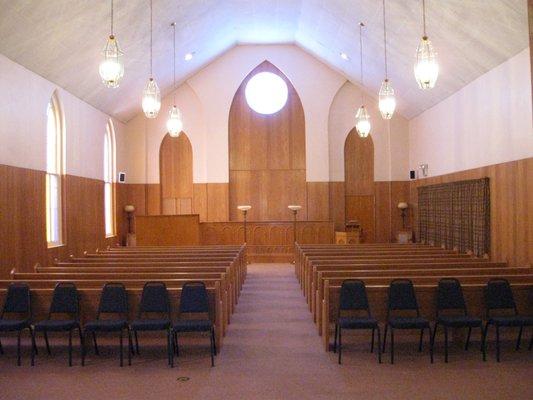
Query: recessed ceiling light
[
  {"x": 189, "y": 56},
  {"x": 344, "y": 56}
]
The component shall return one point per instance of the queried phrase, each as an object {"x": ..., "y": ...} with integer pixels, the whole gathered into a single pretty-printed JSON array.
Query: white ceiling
[{"x": 61, "y": 40}]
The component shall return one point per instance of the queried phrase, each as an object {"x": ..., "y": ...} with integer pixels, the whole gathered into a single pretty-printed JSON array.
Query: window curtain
[{"x": 456, "y": 215}]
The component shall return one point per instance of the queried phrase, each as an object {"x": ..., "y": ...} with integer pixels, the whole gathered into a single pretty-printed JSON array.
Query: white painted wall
[
  {"x": 24, "y": 97},
  {"x": 391, "y": 138},
  {"x": 206, "y": 99},
  {"x": 487, "y": 122}
]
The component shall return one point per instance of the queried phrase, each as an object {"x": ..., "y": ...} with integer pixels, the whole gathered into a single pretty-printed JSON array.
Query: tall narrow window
[
  {"x": 54, "y": 172},
  {"x": 109, "y": 174}
]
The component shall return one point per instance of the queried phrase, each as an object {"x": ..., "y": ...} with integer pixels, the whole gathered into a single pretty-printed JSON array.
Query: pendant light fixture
[
  {"x": 151, "y": 100},
  {"x": 426, "y": 66},
  {"x": 112, "y": 66},
  {"x": 387, "y": 102},
  {"x": 362, "y": 124},
  {"x": 174, "y": 122}
]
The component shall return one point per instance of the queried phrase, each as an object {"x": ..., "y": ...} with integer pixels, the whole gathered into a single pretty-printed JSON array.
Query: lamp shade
[
  {"x": 244, "y": 208},
  {"x": 129, "y": 208},
  {"x": 403, "y": 205},
  {"x": 294, "y": 207}
]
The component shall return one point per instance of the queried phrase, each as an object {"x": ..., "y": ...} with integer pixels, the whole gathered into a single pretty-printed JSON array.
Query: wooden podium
[{"x": 351, "y": 237}]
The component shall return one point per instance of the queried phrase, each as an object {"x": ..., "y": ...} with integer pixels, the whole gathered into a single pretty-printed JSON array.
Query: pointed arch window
[
  {"x": 55, "y": 166},
  {"x": 109, "y": 174}
]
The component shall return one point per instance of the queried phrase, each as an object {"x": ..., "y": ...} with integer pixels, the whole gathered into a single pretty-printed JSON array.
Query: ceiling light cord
[
  {"x": 385, "y": 41},
  {"x": 361, "y": 57},
  {"x": 424, "y": 16},
  {"x": 151, "y": 39},
  {"x": 112, "y": 33},
  {"x": 174, "y": 60}
]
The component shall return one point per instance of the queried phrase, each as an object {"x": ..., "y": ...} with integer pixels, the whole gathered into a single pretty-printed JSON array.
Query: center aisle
[{"x": 272, "y": 350}]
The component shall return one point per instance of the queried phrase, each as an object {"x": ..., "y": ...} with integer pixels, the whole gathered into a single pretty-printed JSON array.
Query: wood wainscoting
[
  {"x": 511, "y": 207},
  {"x": 23, "y": 218},
  {"x": 168, "y": 230},
  {"x": 267, "y": 241}
]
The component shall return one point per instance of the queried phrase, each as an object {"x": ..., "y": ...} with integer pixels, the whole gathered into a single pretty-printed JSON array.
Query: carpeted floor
[{"x": 271, "y": 351}]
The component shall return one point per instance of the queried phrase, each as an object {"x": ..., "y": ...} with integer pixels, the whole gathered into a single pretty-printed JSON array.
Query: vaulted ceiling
[{"x": 62, "y": 40}]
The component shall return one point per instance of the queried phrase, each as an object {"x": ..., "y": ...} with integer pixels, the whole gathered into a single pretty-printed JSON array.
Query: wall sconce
[
  {"x": 403, "y": 206},
  {"x": 424, "y": 169},
  {"x": 244, "y": 210},
  {"x": 129, "y": 209}
]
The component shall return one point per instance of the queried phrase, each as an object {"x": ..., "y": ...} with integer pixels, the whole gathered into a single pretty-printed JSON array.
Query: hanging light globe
[
  {"x": 151, "y": 100},
  {"x": 112, "y": 66},
  {"x": 174, "y": 122},
  {"x": 426, "y": 66},
  {"x": 362, "y": 124},
  {"x": 387, "y": 101}
]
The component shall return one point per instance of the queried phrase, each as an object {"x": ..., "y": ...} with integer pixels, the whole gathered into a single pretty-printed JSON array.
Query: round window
[{"x": 266, "y": 93}]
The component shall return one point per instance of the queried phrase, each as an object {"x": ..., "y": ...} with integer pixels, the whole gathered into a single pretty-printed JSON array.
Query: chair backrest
[
  {"x": 65, "y": 299},
  {"x": 450, "y": 295},
  {"x": 154, "y": 298},
  {"x": 498, "y": 295},
  {"x": 113, "y": 300},
  {"x": 402, "y": 295},
  {"x": 194, "y": 298},
  {"x": 18, "y": 299},
  {"x": 353, "y": 296}
]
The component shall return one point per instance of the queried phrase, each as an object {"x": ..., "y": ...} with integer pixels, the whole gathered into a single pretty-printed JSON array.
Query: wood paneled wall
[
  {"x": 23, "y": 218},
  {"x": 175, "y": 168},
  {"x": 168, "y": 230},
  {"x": 511, "y": 208},
  {"x": 266, "y": 155}
]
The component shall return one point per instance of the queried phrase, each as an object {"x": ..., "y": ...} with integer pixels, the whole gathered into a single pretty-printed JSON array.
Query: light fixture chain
[
  {"x": 385, "y": 40},
  {"x": 112, "y": 18}
]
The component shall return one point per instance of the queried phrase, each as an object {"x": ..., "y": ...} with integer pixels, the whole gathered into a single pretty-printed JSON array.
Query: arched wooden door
[
  {"x": 175, "y": 169},
  {"x": 359, "y": 183}
]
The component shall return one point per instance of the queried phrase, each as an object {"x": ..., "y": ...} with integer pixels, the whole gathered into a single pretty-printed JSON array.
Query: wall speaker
[
  {"x": 412, "y": 174},
  {"x": 122, "y": 177}
]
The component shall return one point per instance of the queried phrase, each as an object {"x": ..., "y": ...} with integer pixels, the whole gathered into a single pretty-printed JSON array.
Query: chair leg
[
  {"x": 379, "y": 344},
  {"x": 372, "y": 342},
  {"x": 33, "y": 348},
  {"x": 95, "y": 344},
  {"x": 445, "y": 344},
  {"x": 83, "y": 349},
  {"x": 421, "y": 338},
  {"x": 430, "y": 345},
  {"x": 171, "y": 345},
  {"x": 121, "y": 349},
  {"x": 18, "y": 348},
  {"x": 130, "y": 345},
  {"x": 47, "y": 344},
  {"x": 385, "y": 337},
  {"x": 32, "y": 338},
  {"x": 176, "y": 345},
  {"x": 519, "y": 338},
  {"x": 1, "y": 348},
  {"x": 484, "y": 333},
  {"x": 335, "y": 338},
  {"x": 498, "y": 343},
  {"x": 392, "y": 345},
  {"x": 136, "y": 342},
  {"x": 214, "y": 341},
  {"x": 70, "y": 348},
  {"x": 531, "y": 342},
  {"x": 340, "y": 345},
  {"x": 212, "y": 351},
  {"x": 468, "y": 338}
]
